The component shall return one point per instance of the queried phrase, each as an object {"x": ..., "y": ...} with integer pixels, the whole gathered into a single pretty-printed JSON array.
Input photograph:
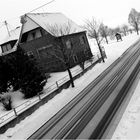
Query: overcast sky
[{"x": 111, "y": 12}]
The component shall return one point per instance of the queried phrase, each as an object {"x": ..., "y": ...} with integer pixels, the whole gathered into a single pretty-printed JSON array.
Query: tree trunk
[
  {"x": 124, "y": 32},
  {"x": 71, "y": 78},
  {"x": 100, "y": 50},
  {"x": 96, "y": 37},
  {"x": 106, "y": 39},
  {"x": 137, "y": 31},
  {"x": 137, "y": 28}
]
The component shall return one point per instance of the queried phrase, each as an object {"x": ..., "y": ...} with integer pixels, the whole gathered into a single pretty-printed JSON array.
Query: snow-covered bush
[
  {"x": 30, "y": 75},
  {"x": 6, "y": 101}
]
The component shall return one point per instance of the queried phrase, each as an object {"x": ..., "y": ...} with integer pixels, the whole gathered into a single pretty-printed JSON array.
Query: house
[
  {"x": 9, "y": 43},
  {"x": 54, "y": 40}
]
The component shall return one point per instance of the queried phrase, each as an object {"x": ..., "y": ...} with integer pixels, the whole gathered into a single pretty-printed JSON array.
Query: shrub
[
  {"x": 6, "y": 101},
  {"x": 29, "y": 76},
  {"x": 5, "y": 75},
  {"x": 21, "y": 72}
]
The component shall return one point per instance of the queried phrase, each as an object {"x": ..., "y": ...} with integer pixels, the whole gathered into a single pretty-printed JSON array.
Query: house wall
[
  {"x": 80, "y": 50},
  {"x": 40, "y": 49}
]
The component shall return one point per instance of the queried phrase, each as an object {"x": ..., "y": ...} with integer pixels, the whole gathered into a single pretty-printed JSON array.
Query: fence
[{"x": 27, "y": 104}]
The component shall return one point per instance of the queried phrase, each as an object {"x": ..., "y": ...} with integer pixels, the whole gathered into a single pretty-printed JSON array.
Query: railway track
[{"x": 89, "y": 113}]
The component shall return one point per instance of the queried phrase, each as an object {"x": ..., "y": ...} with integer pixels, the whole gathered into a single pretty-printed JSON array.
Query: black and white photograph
[{"x": 70, "y": 69}]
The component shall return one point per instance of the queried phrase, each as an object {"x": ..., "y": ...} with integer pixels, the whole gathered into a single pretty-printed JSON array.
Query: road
[{"x": 88, "y": 115}]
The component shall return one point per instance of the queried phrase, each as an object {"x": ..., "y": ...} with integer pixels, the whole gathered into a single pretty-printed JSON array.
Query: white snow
[
  {"x": 113, "y": 50},
  {"x": 14, "y": 35}
]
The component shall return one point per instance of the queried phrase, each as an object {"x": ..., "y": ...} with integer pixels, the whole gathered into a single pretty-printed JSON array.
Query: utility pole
[{"x": 6, "y": 24}]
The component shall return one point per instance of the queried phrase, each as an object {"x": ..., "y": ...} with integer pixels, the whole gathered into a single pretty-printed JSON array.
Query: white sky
[{"x": 111, "y": 12}]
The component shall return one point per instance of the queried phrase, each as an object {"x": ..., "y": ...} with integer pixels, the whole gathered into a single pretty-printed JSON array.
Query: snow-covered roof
[
  {"x": 14, "y": 35},
  {"x": 45, "y": 20}
]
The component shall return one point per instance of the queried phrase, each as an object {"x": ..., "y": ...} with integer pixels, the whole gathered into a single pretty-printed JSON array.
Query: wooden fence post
[
  {"x": 91, "y": 61},
  {"x": 39, "y": 96},
  {"x": 15, "y": 112},
  {"x": 98, "y": 56},
  {"x": 57, "y": 84}
]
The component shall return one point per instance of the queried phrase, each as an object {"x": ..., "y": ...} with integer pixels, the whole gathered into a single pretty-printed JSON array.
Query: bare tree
[
  {"x": 55, "y": 51},
  {"x": 59, "y": 30},
  {"x": 111, "y": 33},
  {"x": 117, "y": 29},
  {"x": 104, "y": 31},
  {"x": 92, "y": 28},
  {"x": 125, "y": 29},
  {"x": 134, "y": 19}
]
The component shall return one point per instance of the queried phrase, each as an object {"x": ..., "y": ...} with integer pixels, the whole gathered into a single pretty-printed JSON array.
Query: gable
[{"x": 29, "y": 25}]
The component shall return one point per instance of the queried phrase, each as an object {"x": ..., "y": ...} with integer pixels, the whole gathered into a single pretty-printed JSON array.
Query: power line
[
  {"x": 41, "y": 6},
  {"x": 30, "y": 11},
  {"x": 6, "y": 24}
]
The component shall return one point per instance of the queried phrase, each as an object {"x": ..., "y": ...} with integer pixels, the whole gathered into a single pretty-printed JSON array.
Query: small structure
[
  {"x": 9, "y": 44},
  {"x": 118, "y": 36}
]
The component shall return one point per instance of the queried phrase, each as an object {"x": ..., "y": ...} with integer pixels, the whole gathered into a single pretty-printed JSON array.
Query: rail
[{"x": 76, "y": 118}]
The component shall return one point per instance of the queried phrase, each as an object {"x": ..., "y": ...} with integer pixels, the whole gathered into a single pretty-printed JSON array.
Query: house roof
[
  {"x": 47, "y": 20},
  {"x": 117, "y": 33},
  {"x": 14, "y": 35}
]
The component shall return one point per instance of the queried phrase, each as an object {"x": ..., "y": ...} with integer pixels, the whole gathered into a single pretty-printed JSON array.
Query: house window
[
  {"x": 82, "y": 40},
  {"x": 30, "y": 54},
  {"x": 68, "y": 44},
  {"x": 75, "y": 59},
  {"x": 34, "y": 35},
  {"x": 38, "y": 33},
  {"x": 6, "y": 48}
]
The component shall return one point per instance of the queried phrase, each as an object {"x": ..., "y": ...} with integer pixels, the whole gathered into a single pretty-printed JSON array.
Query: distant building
[
  {"x": 118, "y": 36},
  {"x": 52, "y": 50}
]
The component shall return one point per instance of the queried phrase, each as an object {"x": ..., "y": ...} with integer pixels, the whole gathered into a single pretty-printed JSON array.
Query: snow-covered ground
[{"x": 113, "y": 50}]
